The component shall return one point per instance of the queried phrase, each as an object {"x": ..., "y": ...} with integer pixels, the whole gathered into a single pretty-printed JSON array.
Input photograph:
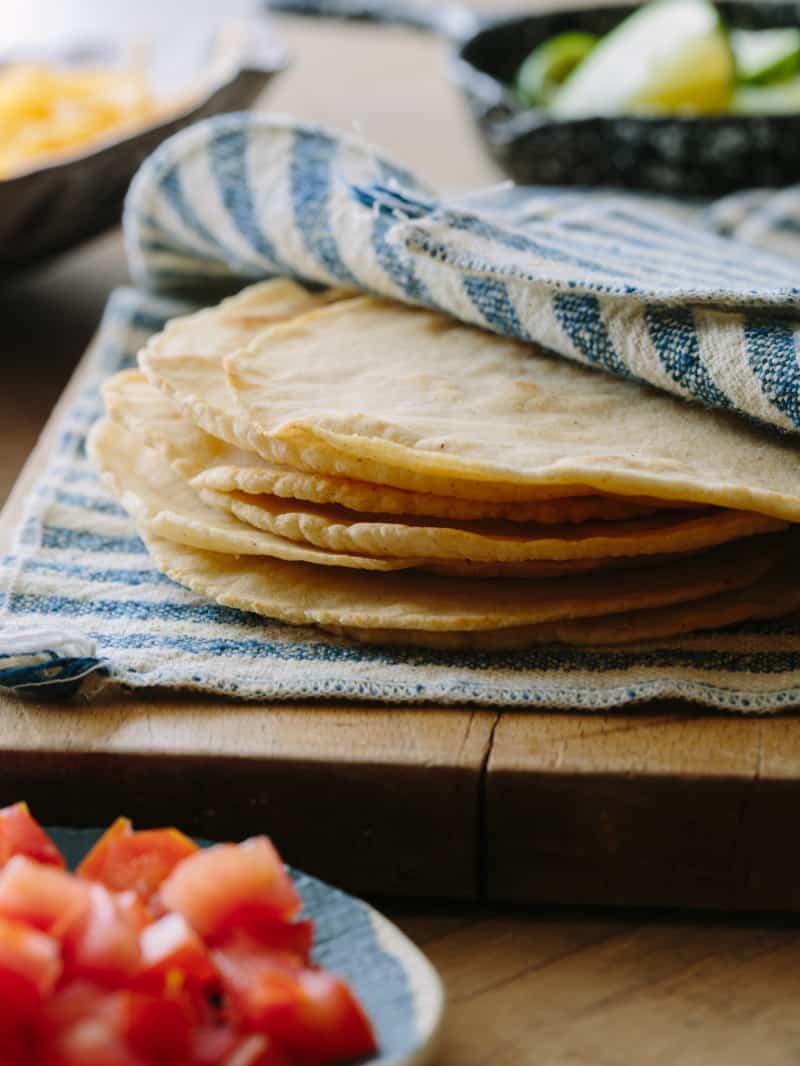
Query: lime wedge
[
  {"x": 766, "y": 55},
  {"x": 780, "y": 98},
  {"x": 670, "y": 55},
  {"x": 549, "y": 65}
]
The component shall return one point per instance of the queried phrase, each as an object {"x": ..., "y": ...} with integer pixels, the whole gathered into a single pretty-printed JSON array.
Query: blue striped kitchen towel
[
  {"x": 610, "y": 280},
  {"x": 697, "y": 299}
]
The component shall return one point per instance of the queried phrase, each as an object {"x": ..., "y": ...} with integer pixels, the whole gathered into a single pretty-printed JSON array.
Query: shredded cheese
[{"x": 49, "y": 112}]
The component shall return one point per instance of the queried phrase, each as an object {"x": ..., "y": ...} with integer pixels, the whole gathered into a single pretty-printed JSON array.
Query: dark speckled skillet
[{"x": 705, "y": 156}]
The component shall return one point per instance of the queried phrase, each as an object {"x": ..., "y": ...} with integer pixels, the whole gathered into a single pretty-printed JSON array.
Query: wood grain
[
  {"x": 655, "y": 806},
  {"x": 567, "y": 988},
  {"x": 375, "y": 800}
]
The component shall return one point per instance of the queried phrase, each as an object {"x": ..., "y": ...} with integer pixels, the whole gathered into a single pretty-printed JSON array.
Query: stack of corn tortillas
[{"x": 392, "y": 475}]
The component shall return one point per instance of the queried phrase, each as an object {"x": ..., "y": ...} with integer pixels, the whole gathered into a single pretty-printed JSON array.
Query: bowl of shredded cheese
[{"x": 76, "y": 124}]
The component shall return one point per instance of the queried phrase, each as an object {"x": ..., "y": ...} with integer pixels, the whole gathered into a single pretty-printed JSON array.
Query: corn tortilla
[
  {"x": 302, "y": 593},
  {"x": 185, "y": 362},
  {"x": 490, "y": 542},
  {"x": 414, "y": 389},
  {"x": 211, "y": 463}
]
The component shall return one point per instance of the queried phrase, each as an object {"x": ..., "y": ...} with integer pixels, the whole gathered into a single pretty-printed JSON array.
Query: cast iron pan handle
[{"x": 450, "y": 20}]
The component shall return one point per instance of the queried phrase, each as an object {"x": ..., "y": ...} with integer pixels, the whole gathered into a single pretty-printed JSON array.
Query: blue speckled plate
[{"x": 399, "y": 988}]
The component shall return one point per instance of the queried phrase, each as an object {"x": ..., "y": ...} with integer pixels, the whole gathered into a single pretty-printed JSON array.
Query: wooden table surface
[{"x": 549, "y": 986}]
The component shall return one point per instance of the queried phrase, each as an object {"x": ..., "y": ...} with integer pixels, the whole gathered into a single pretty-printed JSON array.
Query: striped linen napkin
[{"x": 699, "y": 300}]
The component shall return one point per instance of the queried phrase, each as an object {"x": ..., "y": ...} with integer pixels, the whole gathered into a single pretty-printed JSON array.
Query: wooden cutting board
[{"x": 657, "y": 805}]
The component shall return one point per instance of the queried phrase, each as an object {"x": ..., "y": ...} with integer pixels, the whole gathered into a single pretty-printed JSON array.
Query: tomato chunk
[
  {"x": 71, "y": 1003},
  {"x": 92, "y": 1043},
  {"x": 134, "y": 908},
  {"x": 213, "y": 1044},
  {"x": 85, "y": 1027},
  {"x": 220, "y": 1046},
  {"x": 118, "y": 1027},
  {"x": 96, "y": 862},
  {"x": 230, "y": 886},
  {"x": 171, "y": 948},
  {"x": 292, "y": 938},
  {"x": 256, "y": 1050},
  {"x": 21, "y": 834},
  {"x": 30, "y": 965},
  {"x": 123, "y": 859},
  {"x": 157, "y": 1028},
  {"x": 19, "y": 1041},
  {"x": 311, "y": 1014},
  {"x": 44, "y": 897},
  {"x": 103, "y": 946}
]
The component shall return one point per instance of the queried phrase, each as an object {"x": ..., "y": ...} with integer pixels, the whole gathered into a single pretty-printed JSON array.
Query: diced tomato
[
  {"x": 92, "y": 1043},
  {"x": 104, "y": 945},
  {"x": 159, "y": 954},
  {"x": 291, "y": 938},
  {"x": 87, "y": 1024},
  {"x": 327, "y": 1024},
  {"x": 256, "y": 1050},
  {"x": 312, "y": 1014},
  {"x": 123, "y": 859},
  {"x": 230, "y": 886},
  {"x": 72, "y": 1003},
  {"x": 157, "y": 1028},
  {"x": 96, "y": 856},
  {"x": 30, "y": 966},
  {"x": 172, "y": 952},
  {"x": 19, "y": 1041},
  {"x": 42, "y": 896},
  {"x": 134, "y": 908},
  {"x": 21, "y": 834},
  {"x": 212, "y": 1044},
  {"x": 95, "y": 862},
  {"x": 220, "y": 1046},
  {"x": 85, "y": 1027}
]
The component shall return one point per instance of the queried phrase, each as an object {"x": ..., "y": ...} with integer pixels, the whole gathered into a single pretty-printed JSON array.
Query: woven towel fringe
[{"x": 46, "y": 663}]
